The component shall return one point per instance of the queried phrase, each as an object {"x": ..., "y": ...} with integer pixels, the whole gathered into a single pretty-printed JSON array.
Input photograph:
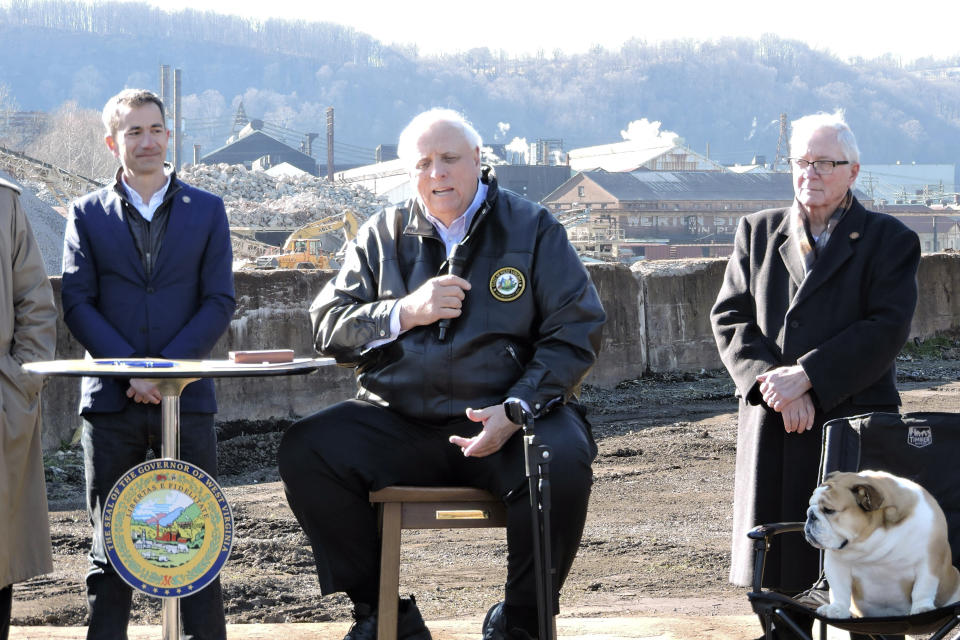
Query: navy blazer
[{"x": 115, "y": 311}]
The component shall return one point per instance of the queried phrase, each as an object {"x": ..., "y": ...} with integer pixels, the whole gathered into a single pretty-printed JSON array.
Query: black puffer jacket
[{"x": 534, "y": 336}]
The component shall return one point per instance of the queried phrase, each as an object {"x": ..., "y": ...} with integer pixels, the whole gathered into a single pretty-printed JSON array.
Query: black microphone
[{"x": 455, "y": 265}]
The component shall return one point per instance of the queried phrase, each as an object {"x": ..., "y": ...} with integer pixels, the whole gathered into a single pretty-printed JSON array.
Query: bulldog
[{"x": 886, "y": 551}]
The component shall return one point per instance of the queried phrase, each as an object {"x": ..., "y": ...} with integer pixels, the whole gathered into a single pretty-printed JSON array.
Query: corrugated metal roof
[
  {"x": 630, "y": 155},
  {"x": 694, "y": 185}
]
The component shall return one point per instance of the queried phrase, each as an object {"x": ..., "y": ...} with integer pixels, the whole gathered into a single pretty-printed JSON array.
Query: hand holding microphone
[
  {"x": 439, "y": 298},
  {"x": 455, "y": 264}
]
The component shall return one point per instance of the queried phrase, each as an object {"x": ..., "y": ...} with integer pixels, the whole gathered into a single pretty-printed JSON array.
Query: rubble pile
[
  {"x": 256, "y": 199},
  {"x": 48, "y": 226}
]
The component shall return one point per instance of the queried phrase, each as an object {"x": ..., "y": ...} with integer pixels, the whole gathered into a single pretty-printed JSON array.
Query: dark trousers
[
  {"x": 330, "y": 461},
  {"x": 112, "y": 443},
  {"x": 6, "y": 602}
]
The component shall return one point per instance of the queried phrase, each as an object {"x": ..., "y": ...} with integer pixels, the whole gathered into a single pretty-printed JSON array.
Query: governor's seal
[{"x": 167, "y": 528}]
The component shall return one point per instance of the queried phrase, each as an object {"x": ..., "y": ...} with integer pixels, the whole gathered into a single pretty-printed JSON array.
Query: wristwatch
[{"x": 517, "y": 414}]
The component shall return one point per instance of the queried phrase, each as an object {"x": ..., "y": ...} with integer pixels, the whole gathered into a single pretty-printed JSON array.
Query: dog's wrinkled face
[{"x": 845, "y": 508}]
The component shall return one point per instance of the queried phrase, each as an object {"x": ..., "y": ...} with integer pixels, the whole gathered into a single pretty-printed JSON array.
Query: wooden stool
[{"x": 403, "y": 507}]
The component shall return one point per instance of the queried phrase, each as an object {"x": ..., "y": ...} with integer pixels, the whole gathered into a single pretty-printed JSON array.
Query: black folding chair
[{"x": 924, "y": 447}]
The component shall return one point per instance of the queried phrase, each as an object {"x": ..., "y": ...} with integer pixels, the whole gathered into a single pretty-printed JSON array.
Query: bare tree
[{"x": 73, "y": 140}]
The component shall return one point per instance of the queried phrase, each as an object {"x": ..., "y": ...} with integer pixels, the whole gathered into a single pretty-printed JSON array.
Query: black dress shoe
[
  {"x": 495, "y": 626},
  {"x": 410, "y": 624}
]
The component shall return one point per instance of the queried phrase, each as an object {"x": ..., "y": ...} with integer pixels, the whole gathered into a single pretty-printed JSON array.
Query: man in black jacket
[{"x": 438, "y": 350}]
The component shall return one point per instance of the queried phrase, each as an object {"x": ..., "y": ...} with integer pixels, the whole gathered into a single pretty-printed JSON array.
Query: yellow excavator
[{"x": 303, "y": 248}]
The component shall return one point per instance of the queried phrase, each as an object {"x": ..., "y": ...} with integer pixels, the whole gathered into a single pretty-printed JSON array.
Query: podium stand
[{"x": 147, "y": 558}]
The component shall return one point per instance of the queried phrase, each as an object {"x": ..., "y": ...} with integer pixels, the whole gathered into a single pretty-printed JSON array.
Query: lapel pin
[
  {"x": 186, "y": 199},
  {"x": 854, "y": 235}
]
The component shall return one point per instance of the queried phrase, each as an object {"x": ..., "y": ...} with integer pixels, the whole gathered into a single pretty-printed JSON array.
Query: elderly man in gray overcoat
[
  {"x": 816, "y": 303},
  {"x": 28, "y": 324}
]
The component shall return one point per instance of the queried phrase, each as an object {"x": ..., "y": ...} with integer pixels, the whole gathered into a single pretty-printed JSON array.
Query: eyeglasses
[{"x": 822, "y": 167}]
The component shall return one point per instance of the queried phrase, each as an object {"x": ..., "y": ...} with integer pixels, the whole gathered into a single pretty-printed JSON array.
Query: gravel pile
[
  {"x": 48, "y": 227},
  {"x": 256, "y": 199}
]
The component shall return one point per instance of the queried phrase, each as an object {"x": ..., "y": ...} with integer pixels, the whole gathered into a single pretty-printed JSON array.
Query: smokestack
[
  {"x": 307, "y": 145},
  {"x": 330, "y": 144},
  {"x": 165, "y": 84},
  {"x": 165, "y": 97},
  {"x": 177, "y": 117}
]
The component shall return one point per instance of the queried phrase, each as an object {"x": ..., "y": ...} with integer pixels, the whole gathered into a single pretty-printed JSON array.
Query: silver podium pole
[{"x": 170, "y": 389}]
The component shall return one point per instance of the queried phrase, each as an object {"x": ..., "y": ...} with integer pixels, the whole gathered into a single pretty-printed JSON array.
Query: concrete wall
[
  {"x": 676, "y": 297},
  {"x": 675, "y": 301},
  {"x": 657, "y": 320}
]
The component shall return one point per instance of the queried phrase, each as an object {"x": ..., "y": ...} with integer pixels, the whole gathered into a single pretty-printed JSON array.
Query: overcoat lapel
[
  {"x": 116, "y": 227},
  {"x": 838, "y": 250},
  {"x": 790, "y": 248}
]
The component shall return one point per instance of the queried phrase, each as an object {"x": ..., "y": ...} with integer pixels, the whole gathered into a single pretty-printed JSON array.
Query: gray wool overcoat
[
  {"x": 844, "y": 322},
  {"x": 28, "y": 322}
]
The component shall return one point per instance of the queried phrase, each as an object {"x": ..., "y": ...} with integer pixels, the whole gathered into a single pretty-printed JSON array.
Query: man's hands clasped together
[
  {"x": 787, "y": 391},
  {"x": 143, "y": 391}
]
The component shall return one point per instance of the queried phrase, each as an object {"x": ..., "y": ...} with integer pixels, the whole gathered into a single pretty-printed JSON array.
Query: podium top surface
[{"x": 161, "y": 368}]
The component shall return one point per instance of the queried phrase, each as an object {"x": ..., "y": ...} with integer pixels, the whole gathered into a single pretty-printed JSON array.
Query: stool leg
[{"x": 389, "y": 572}]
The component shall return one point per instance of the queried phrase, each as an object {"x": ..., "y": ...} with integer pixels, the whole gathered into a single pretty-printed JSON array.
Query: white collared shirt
[
  {"x": 451, "y": 236},
  {"x": 146, "y": 209}
]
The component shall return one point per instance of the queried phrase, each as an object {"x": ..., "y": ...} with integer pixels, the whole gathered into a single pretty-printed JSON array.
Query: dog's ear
[{"x": 867, "y": 497}]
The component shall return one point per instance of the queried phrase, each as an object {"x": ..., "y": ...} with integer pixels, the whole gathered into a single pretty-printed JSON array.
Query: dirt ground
[{"x": 656, "y": 540}]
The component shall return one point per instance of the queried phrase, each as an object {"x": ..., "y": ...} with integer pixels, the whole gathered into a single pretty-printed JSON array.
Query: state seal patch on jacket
[{"x": 507, "y": 284}]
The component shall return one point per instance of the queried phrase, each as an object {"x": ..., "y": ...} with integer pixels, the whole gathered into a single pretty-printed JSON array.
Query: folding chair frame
[{"x": 777, "y": 609}]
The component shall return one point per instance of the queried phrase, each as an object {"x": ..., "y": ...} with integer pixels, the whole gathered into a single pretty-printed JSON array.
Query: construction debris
[
  {"x": 48, "y": 227},
  {"x": 54, "y": 185},
  {"x": 258, "y": 200}
]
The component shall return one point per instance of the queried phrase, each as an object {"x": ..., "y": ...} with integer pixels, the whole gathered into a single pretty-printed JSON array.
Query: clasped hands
[
  {"x": 787, "y": 391},
  {"x": 143, "y": 391}
]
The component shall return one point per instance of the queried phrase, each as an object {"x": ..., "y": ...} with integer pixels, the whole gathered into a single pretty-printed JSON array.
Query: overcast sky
[{"x": 846, "y": 28}]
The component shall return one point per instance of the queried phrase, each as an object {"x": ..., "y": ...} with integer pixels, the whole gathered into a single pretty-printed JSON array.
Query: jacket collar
[
  {"x": 418, "y": 225},
  {"x": 113, "y": 198},
  {"x": 117, "y": 185}
]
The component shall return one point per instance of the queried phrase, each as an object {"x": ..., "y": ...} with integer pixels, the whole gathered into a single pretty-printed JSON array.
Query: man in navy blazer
[{"x": 147, "y": 272}]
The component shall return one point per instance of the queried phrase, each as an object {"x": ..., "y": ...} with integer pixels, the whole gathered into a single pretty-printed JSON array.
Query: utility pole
[{"x": 869, "y": 183}]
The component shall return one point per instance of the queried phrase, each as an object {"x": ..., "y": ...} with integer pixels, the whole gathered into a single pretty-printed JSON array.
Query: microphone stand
[{"x": 536, "y": 458}]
